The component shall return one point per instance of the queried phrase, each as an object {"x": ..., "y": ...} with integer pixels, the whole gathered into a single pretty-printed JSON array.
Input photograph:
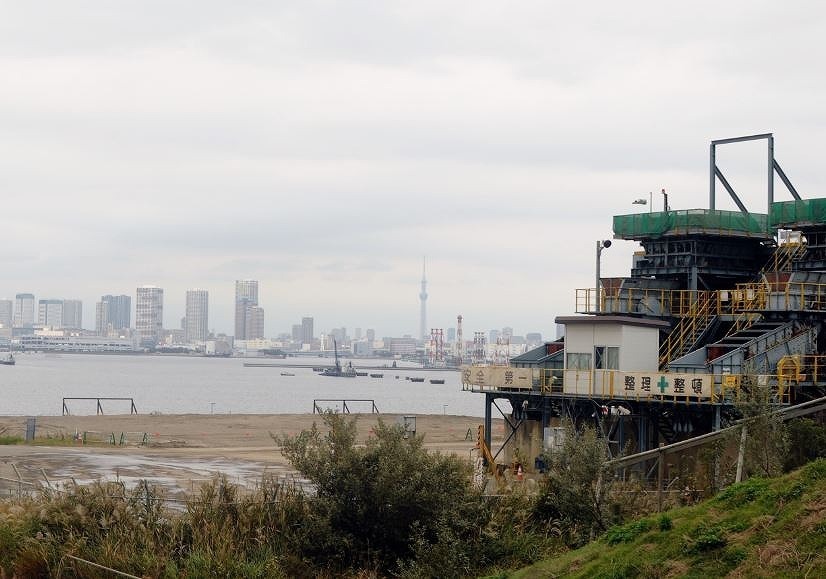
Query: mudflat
[{"x": 178, "y": 451}]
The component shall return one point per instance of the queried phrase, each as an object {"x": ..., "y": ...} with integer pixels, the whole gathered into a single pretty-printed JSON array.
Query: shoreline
[{"x": 179, "y": 451}]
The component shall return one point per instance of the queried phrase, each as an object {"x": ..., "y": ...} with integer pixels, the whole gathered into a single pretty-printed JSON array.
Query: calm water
[{"x": 170, "y": 384}]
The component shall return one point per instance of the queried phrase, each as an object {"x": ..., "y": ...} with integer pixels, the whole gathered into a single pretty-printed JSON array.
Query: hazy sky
[{"x": 324, "y": 147}]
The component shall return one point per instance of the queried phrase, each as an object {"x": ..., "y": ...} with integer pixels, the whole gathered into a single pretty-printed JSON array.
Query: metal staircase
[{"x": 688, "y": 331}]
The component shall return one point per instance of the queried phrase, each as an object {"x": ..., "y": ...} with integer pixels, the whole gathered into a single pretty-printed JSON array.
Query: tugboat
[{"x": 337, "y": 370}]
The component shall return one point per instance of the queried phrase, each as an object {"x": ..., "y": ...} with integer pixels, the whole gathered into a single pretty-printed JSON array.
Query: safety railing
[
  {"x": 688, "y": 329},
  {"x": 657, "y": 302},
  {"x": 652, "y": 386},
  {"x": 782, "y": 258},
  {"x": 744, "y": 298}
]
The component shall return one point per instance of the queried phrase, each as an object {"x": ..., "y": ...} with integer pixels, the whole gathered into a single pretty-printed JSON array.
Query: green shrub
[
  {"x": 628, "y": 532},
  {"x": 665, "y": 523},
  {"x": 705, "y": 538},
  {"x": 745, "y": 492}
]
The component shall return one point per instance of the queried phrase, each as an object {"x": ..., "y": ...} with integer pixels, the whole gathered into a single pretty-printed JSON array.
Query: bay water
[{"x": 37, "y": 384}]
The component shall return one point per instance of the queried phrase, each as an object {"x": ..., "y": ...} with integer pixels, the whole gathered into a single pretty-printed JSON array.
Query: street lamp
[
  {"x": 600, "y": 246},
  {"x": 643, "y": 201}
]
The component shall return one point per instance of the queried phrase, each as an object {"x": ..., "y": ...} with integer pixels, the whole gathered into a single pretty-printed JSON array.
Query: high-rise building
[
  {"x": 112, "y": 314},
  {"x": 423, "y": 333},
  {"x": 73, "y": 314},
  {"x": 254, "y": 322},
  {"x": 6, "y": 313},
  {"x": 149, "y": 315},
  {"x": 307, "y": 330},
  {"x": 296, "y": 334},
  {"x": 23, "y": 310},
  {"x": 50, "y": 313},
  {"x": 197, "y": 315},
  {"x": 246, "y": 296},
  {"x": 371, "y": 335}
]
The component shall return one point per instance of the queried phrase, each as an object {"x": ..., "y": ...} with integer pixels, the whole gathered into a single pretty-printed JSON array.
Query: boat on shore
[
  {"x": 437, "y": 380},
  {"x": 8, "y": 360},
  {"x": 377, "y": 375},
  {"x": 417, "y": 379},
  {"x": 361, "y": 374}
]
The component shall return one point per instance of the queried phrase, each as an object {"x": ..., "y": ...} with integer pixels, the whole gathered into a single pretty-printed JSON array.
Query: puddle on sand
[{"x": 175, "y": 475}]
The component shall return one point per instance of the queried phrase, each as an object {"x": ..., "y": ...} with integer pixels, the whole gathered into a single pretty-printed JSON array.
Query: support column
[{"x": 488, "y": 419}]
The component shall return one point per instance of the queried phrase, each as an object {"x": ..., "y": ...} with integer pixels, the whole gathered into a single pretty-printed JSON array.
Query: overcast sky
[{"x": 323, "y": 148}]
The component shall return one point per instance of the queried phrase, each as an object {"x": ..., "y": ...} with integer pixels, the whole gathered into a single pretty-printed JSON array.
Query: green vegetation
[
  {"x": 388, "y": 507},
  {"x": 8, "y": 440},
  {"x": 760, "y": 527}
]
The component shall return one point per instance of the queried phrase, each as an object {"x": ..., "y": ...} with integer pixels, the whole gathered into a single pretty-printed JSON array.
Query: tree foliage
[
  {"x": 574, "y": 497},
  {"x": 388, "y": 501},
  {"x": 767, "y": 439}
]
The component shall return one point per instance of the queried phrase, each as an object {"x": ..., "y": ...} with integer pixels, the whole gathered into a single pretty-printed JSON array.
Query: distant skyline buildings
[
  {"x": 249, "y": 325},
  {"x": 24, "y": 310},
  {"x": 307, "y": 330},
  {"x": 113, "y": 314},
  {"x": 148, "y": 315},
  {"x": 50, "y": 313},
  {"x": 6, "y": 313},
  {"x": 196, "y": 325},
  {"x": 73, "y": 314}
]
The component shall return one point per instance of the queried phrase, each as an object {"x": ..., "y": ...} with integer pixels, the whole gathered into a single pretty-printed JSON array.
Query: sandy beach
[{"x": 178, "y": 451}]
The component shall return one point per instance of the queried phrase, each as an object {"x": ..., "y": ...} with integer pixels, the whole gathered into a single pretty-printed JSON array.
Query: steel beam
[
  {"x": 786, "y": 181},
  {"x": 730, "y": 190}
]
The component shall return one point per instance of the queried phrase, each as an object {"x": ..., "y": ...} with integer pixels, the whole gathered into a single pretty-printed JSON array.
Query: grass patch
[
  {"x": 760, "y": 527},
  {"x": 10, "y": 440}
]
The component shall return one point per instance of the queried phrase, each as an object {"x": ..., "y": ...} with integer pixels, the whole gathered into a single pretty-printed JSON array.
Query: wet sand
[{"x": 180, "y": 451}]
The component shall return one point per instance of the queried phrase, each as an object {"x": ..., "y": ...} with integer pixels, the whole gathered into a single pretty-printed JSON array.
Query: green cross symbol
[{"x": 662, "y": 385}]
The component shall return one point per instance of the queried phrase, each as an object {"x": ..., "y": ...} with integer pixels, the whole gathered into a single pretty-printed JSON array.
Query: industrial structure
[{"x": 717, "y": 303}]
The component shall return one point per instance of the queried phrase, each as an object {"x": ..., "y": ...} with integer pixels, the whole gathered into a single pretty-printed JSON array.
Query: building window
[
  {"x": 606, "y": 357},
  {"x": 577, "y": 361}
]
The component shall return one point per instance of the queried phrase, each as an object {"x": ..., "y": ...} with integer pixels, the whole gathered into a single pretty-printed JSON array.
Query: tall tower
[
  {"x": 246, "y": 296},
  {"x": 197, "y": 315},
  {"x": 460, "y": 342},
  {"x": 423, "y": 299},
  {"x": 149, "y": 315}
]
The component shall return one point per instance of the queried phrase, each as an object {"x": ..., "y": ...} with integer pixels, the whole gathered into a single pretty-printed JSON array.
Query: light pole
[
  {"x": 649, "y": 202},
  {"x": 600, "y": 246},
  {"x": 666, "y": 208}
]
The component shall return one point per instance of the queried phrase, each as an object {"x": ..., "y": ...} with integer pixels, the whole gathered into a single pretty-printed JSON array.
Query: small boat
[
  {"x": 417, "y": 379},
  {"x": 437, "y": 381},
  {"x": 318, "y": 369},
  {"x": 362, "y": 374},
  {"x": 287, "y": 374},
  {"x": 8, "y": 361},
  {"x": 377, "y": 375},
  {"x": 337, "y": 370}
]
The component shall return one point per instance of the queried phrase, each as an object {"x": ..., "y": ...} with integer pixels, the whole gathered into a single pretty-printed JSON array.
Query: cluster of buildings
[{"x": 57, "y": 324}]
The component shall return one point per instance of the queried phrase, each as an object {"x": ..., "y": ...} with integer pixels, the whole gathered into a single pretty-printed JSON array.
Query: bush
[
  {"x": 388, "y": 502},
  {"x": 627, "y": 533},
  {"x": 574, "y": 497},
  {"x": 705, "y": 538}
]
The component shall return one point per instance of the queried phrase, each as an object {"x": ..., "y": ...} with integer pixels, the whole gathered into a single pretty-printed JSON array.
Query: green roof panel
[
  {"x": 691, "y": 221},
  {"x": 791, "y": 214}
]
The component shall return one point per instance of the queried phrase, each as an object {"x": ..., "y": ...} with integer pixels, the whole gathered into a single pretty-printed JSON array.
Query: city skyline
[{"x": 114, "y": 312}]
